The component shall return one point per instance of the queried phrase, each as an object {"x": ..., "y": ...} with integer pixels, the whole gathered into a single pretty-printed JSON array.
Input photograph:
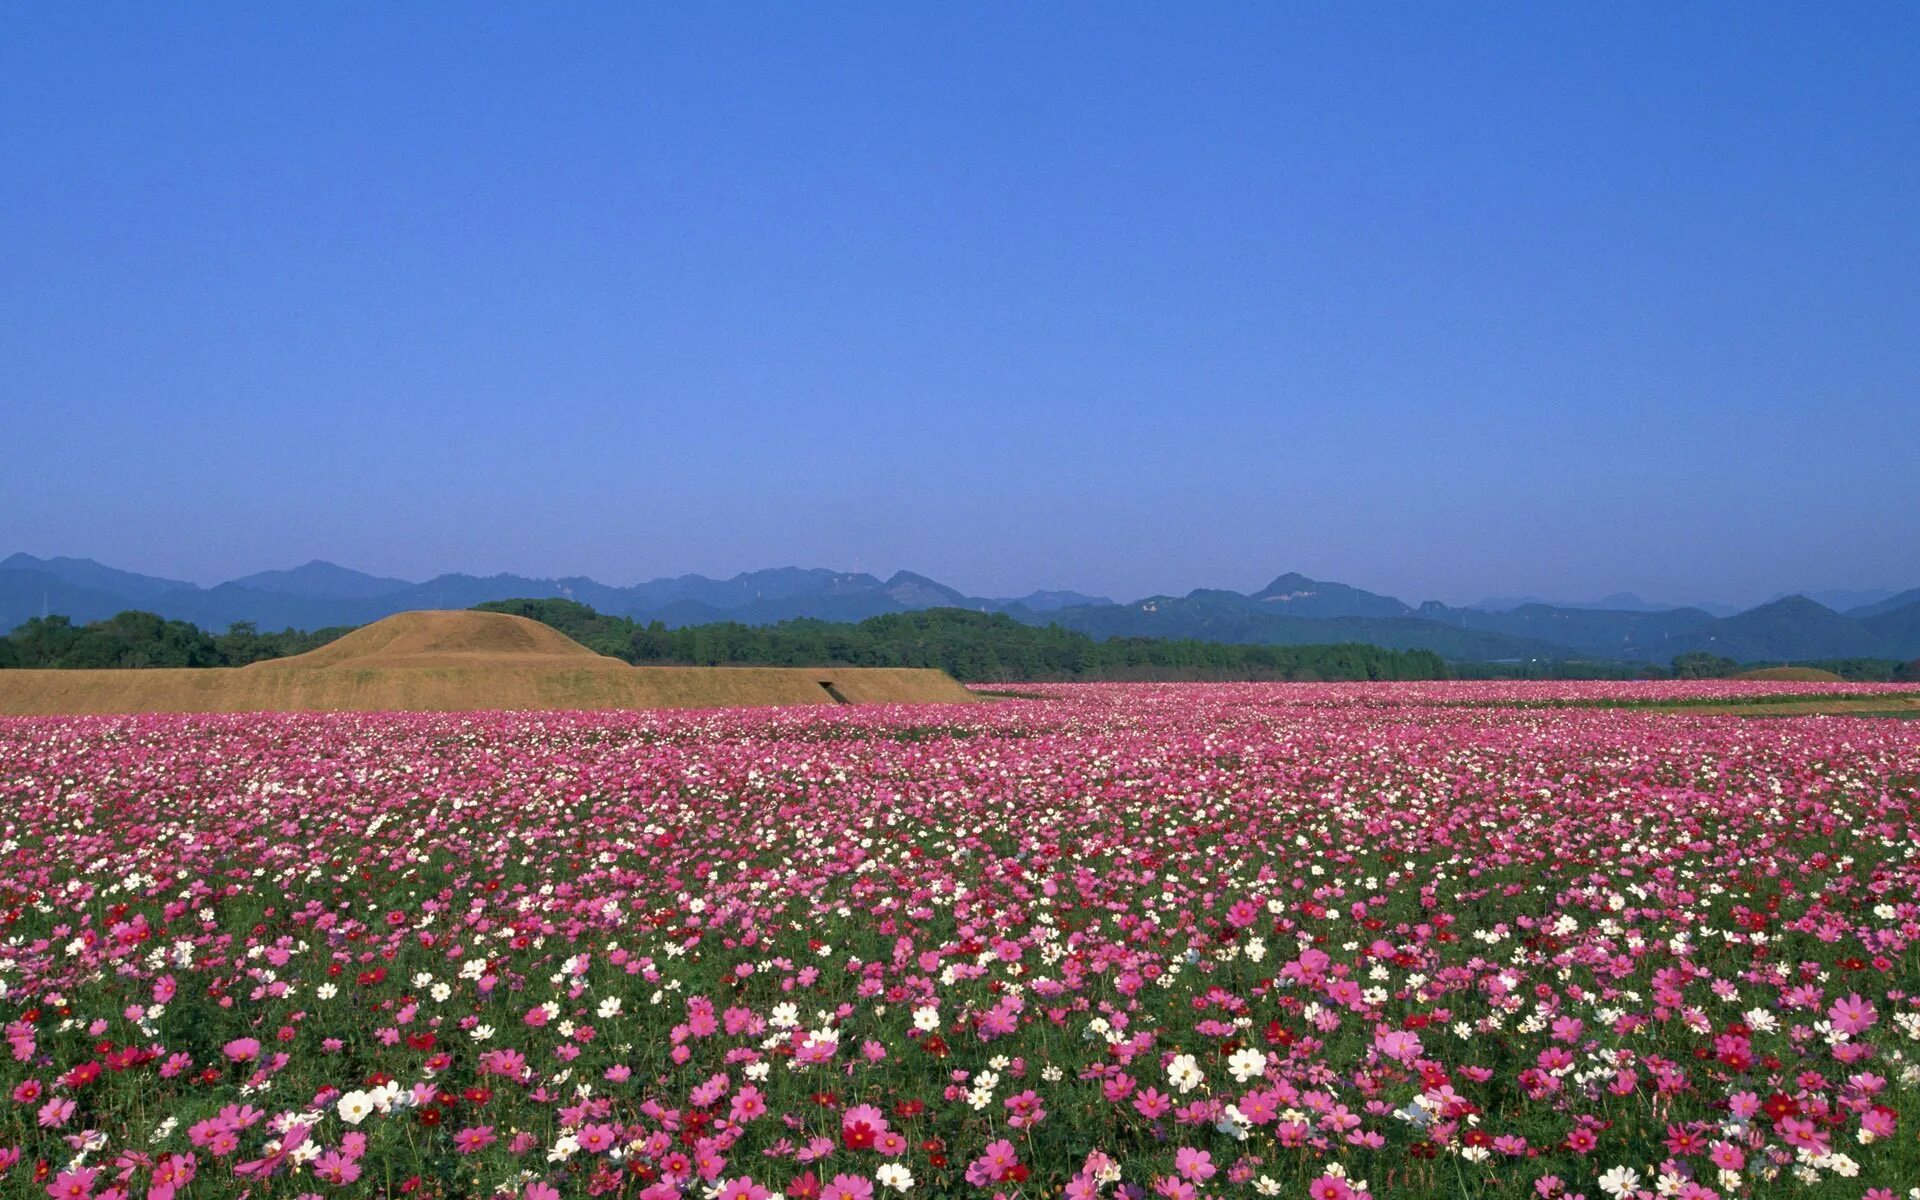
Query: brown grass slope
[
  {"x": 442, "y": 638},
  {"x": 456, "y": 662}
]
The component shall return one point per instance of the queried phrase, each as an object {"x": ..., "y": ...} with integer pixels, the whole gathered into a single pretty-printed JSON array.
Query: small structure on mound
[
  {"x": 1792, "y": 674},
  {"x": 454, "y": 662}
]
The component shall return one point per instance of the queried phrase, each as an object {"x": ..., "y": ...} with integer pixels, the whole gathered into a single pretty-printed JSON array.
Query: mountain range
[{"x": 1292, "y": 610}]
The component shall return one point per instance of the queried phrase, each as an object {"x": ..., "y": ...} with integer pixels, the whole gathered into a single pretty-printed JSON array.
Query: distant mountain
[
  {"x": 1041, "y": 602},
  {"x": 1297, "y": 596},
  {"x": 1842, "y": 600},
  {"x": 1898, "y": 630},
  {"x": 1617, "y": 602},
  {"x": 1294, "y": 609},
  {"x": 1635, "y": 634},
  {"x": 1786, "y": 630},
  {"x": 1222, "y": 616},
  {"x": 1884, "y": 605},
  {"x": 25, "y": 595},
  {"x": 86, "y": 573},
  {"x": 321, "y": 580},
  {"x": 917, "y": 591}
]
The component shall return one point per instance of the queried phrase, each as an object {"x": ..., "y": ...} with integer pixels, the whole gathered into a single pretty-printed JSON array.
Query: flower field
[{"x": 1129, "y": 940}]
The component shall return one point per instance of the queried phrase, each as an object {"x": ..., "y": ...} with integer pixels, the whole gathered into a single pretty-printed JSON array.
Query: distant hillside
[
  {"x": 1294, "y": 609},
  {"x": 1877, "y": 608},
  {"x": 28, "y": 594},
  {"x": 1622, "y": 634},
  {"x": 321, "y": 580},
  {"x": 1230, "y": 617},
  {"x": 1295, "y": 595},
  {"x": 91, "y": 576},
  {"x": 1797, "y": 628}
]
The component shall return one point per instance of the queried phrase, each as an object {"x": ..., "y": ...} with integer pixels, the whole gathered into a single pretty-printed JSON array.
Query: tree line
[
  {"x": 144, "y": 639},
  {"x": 970, "y": 646}
]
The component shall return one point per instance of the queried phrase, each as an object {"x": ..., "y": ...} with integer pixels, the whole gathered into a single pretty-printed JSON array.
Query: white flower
[
  {"x": 1619, "y": 1181},
  {"x": 354, "y": 1107},
  {"x": 481, "y": 1033},
  {"x": 326, "y": 991},
  {"x": 1184, "y": 1074},
  {"x": 1233, "y": 1123},
  {"x": 1247, "y": 1063},
  {"x": 609, "y": 1008},
  {"x": 440, "y": 992},
  {"x": 895, "y": 1176}
]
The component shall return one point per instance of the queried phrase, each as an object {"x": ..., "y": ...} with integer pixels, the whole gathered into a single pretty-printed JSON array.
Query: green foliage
[
  {"x": 968, "y": 645},
  {"x": 143, "y": 639},
  {"x": 1698, "y": 664}
]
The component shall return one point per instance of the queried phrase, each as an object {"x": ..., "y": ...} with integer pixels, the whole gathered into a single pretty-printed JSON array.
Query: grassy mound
[{"x": 1793, "y": 674}]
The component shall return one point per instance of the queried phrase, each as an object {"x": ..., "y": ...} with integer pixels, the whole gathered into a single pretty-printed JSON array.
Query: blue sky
[{"x": 1441, "y": 300}]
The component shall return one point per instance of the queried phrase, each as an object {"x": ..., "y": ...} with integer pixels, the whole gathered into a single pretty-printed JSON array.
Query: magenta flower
[
  {"x": 473, "y": 1139},
  {"x": 1194, "y": 1165},
  {"x": 1852, "y": 1015}
]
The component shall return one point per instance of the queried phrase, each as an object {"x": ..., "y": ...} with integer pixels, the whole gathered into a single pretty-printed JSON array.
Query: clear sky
[{"x": 1442, "y": 300}]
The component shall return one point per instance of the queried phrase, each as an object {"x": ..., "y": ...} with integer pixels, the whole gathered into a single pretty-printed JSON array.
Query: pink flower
[
  {"x": 747, "y": 1105},
  {"x": 1024, "y": 1110},
  {"x": 1398, "y": 1044},
  {"x": 1852, "y": 1015},
  {"x": 473, "y": 1139},
  {"x": 848, "y": 1187},
  {"x": 994, "y": 1164},
  {"x": 1329, "y": 1187},
  {"x": 1196, "y": 1165},
  {"x": 242, "y": 1049},
  {"x": 336, "y": 1168},
  {"x": 597, "y": 1139},
  {"x": 73, "y": 1185}
]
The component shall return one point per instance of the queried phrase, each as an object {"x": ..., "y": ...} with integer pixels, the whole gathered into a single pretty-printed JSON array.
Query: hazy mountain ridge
[{"x": 1292, "y": 610}]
